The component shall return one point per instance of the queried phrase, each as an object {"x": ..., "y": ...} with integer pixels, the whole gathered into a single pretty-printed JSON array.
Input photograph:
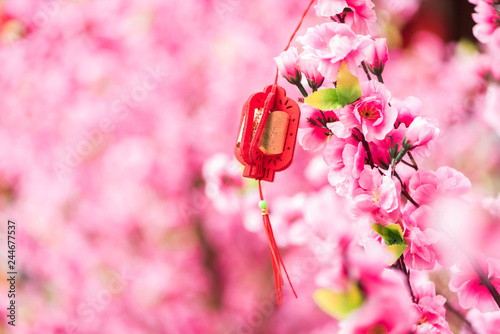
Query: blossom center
[
  {"x": 376, "y": 195},
  {"x": 377, "y": 329},
  {"x": 369, "y": 111}
]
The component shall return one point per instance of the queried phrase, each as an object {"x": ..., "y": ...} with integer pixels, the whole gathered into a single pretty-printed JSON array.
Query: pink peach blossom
[
  {"x": 371, "y": 114},
  {"x": 486, "y": 18},
  {"x": 492, "y": 204},
  {"x": 328, "y": 8},
  {"x": 407, "y": 109},
  {"x": 332, "y": 43},
  {"x": 420, "y": 133},
  {"x": 360, "y": 12},
  {"x": 425, "y": 186},
  {"x": 452, "y": 183},
  {"x": 385, "y": 293},
  {"x": 384, "y": 312},
  {"x": 490, "y": 113},
  {"x": 222, "y": 181},
  {"x": 311, "y": 137},
  {"x": 346, "y": 158},
  {"x": 432, "y": 310},
  {"x": 377, "y": 198},
  {"x": 471, "y": 292},
  {"x": 420, "y": 253},
  {"x": 421, "y": 217},
  {"x": 288, "y": 220},
  {"x": 485, "y": 323},
  {"x": 361, "y": 16}
]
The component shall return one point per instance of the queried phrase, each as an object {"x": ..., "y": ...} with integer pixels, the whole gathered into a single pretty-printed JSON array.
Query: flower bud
[
  {"x": 376, "y": 55},
  {"x": 420, "y": 133},
  {"x": 309, "y": 64},
  {"x": 287, "y": 65}
]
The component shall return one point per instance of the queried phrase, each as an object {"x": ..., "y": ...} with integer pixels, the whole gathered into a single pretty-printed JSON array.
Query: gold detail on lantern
[
  {"x": 257, "y": 116},
  {"x": 275, "y": 131},
  {"x": 240, "y": 135}
]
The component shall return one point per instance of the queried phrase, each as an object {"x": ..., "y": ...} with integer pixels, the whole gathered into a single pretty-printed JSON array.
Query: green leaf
[
  {"x": 393, "y": 237},
  {"x": 392, "y": 234},
  {"x": 339, "y": 304},
  {"x": 397, "y": 250},
  {"x": 348, "y": 88},
  {"x": 325, "y": 99}
]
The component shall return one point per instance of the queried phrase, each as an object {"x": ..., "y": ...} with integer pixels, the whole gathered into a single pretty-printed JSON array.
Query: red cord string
[
  {"x": 277, "y": 261},
  {"x": 260, "y": 192},
  {"x": 275, "y": 254},
  {"x": 293, "y": 35}
]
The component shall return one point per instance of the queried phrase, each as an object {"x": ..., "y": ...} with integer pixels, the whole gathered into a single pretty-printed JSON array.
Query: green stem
[
  {"x": 302, "y": 89},
  {"x": 398, "y": 158},
  {"x": 400, "y": 155},
  {"x": 379, "y": 77}
]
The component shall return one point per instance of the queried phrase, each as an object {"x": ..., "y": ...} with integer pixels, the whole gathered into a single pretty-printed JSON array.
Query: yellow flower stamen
[{"x": 376, "y": 195}]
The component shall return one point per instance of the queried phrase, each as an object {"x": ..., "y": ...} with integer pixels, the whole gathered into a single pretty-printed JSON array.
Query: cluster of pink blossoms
[
  {"x": 374, "y": 146},
  {"x": 487, "y": 17},
  {"x": 149, "y": 228}
]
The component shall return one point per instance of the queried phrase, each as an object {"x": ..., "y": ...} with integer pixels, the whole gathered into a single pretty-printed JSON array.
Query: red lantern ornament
[
  {"x": 268, "y": 132},
  {"x": 265, "y": 145}
]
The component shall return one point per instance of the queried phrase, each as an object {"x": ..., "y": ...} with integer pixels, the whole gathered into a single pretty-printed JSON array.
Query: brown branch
[
  {"x": 483, "y": 277},
  {"x": 459, "y": 315},
  {"x": 366, "y": 70},
  {"x": 362, "y": 139},
  {"x": 409, "y": 164},
  {"x": 408, "y": 197},
  {"x": 413, "y": 160},
  {"x": 402, "y": 266}
]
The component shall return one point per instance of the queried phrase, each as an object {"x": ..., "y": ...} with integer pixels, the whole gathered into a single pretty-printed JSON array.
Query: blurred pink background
[{"x": 117, "y": 126}]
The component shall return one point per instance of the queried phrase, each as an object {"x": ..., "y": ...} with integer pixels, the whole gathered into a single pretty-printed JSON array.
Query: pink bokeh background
[{"x": 117, "y": 126}]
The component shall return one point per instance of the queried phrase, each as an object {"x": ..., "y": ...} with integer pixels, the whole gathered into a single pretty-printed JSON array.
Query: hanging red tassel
[
  {"x": 265, "y": 145},
  {"x": 275, "y": 253}
]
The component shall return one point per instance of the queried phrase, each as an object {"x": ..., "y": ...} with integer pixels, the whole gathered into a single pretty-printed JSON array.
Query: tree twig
[
  {"x": 459, "y": 315},
  {"x": 366, "y": 70}
]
